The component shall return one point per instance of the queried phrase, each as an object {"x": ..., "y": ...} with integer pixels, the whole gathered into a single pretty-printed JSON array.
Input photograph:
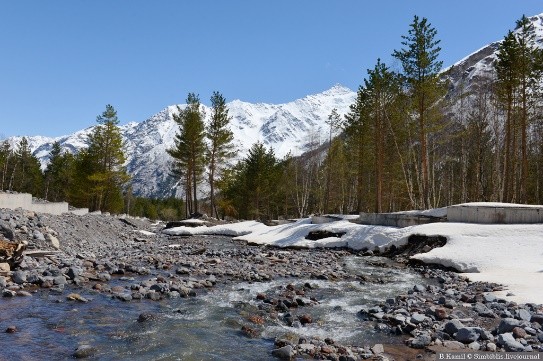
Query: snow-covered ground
[{"x": 511, "y": 255}]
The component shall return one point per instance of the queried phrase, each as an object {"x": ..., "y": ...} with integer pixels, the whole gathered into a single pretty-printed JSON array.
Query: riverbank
[{"x": 443, "y": 310}]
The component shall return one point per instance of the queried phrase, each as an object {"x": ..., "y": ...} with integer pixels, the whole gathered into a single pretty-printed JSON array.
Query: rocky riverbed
[{"x": 83, "y": 258}]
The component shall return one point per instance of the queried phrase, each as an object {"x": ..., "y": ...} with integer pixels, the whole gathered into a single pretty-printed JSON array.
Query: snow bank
[
  {"x": 511, "y": 255},
  {"x": 232, "y": 229}
]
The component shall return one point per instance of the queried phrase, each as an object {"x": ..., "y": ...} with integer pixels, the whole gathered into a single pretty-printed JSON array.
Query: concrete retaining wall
[
  {"x": 17, "y": 200},
  {"x": 487, "y": 214},
  {"x": 24, "y": 201},
  {"x": 395, "y": 219}
]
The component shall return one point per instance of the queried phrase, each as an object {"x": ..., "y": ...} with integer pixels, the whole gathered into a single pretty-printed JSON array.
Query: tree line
[{"x": 411, "y": 140}]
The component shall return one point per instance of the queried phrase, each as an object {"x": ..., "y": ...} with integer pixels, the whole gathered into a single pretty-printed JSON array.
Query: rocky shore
[{"x": 81, "y": 255}]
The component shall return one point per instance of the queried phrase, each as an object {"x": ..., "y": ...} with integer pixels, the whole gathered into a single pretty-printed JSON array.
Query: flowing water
[{"x": 206, "y": 327}]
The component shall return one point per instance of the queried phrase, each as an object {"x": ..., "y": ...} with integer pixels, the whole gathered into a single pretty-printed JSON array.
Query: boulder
[
  {"x": 284, "y": 353},
  {"x": 467, "y": 334},
  {"x": 507, "y": 341},
  {"x": 451, "y": 327},
  {"x": 507, "y": 325}
]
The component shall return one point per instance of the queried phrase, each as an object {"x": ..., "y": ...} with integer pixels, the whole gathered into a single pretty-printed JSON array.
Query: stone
[
  {"x": 417, "y": 318},
  {"x": 84, "y": 351},
  {"x": 53, "y": 240},
  {"x": 4, "y": 267},
  {"x": 37, "y": 235},
  {"x": 483, "y": 311},
  {"x": 284, "y": 353},
  {"x": 147, "y": 316},
  {"x": 489, "y": 298},
  {"x": 19, "y": 277},
  {"x": 474, "y": 346},
  {"x": 11, "y": 329},
  {"x": 453, "y": 345},
  {"x": 537, "y": 317},
  {"x": 523, "y": 315},
  {"x": 378, "y": 348},
  {"x": 507, "y": 341},
  {"x": 419, "y": 288},
  {"x": 421, "y": 341},
  {"x": 24, "y": 293},
  {"x": 519, "y": 332},
  {"x": 491, "y": 347},
  {"x": 507, "y": 325},
  {"x": 441, "y": 313},
  {"x": 451, "y": 327},
  {"x": 73, "y": 272},
  {"x": 467, "y": 334},
  {"x": 76, "y": 297},
  {"x": 305, "y": 319}
]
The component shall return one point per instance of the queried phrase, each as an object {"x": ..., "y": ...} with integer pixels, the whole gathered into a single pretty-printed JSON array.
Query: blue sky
[{"x": 62, "y": 61}]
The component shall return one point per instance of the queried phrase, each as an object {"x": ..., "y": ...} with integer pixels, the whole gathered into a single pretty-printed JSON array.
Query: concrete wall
[
  {"x": 16, "y": 200},
  {"x": 495, "y": 214},
  {"x": 395, "y": 219},
  {"x": 24, "y": 201},
  {"x": 51, "y": 207}
]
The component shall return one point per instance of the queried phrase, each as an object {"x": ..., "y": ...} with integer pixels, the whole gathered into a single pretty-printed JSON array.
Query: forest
[{"x": 411, "y": 140}]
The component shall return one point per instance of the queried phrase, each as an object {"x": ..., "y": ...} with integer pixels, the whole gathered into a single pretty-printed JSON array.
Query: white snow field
[{"x": 511, "y": 255}]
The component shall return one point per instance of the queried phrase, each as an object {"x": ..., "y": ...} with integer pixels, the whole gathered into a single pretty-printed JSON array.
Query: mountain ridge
[{"x": 283, "y": 127}]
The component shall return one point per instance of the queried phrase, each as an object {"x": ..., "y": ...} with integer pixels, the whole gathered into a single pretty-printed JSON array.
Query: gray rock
[
  {"x": 73, "y": 272},
  {"x": 53, "y": 240},
  {"x": 24, "y": 293},
  {"x": 537, "y": 317},
  {"x": 489, "y": 298},
  {"x": 507, "y": 325},
  {"x": 38, "y": 235},
  {"x": 59, "y": 280},
  {"x": 523, "y": 315},
  {"x": 378, "y": 348},
  {"x": 283, "y": 353},
  {"x": 421, "y": 341},
  {"x": 453, "y": 345},
  {"x": 9, "y": 293},
  {"x": 19, "y": 277},
  {"x": 3, "y": 282},
  {"x": 483, "y": 311},
  {"x": 474, "y": 346},
  {"x": 467, "y": 334},
  {"x": 419, "y": 288},
  {"x": 491, "y": 347},
  {"x": 451, "y": 327},
  {"x": 84, "y": 351},
  {"x": 417, "y": 318},
  {"x": 507, "y": 341},
  {"x": 7, "y": 231}
]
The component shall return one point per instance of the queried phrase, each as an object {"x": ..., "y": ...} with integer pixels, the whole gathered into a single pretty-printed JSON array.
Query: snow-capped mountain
[
  {"x": 480, "y": 64},
  {"x": 283, "y": 127}
]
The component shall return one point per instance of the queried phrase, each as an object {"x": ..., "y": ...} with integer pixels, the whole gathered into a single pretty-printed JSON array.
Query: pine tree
[
  {"x": 6, "y": 156},
  {"x": 220, "y": 148},
  {"x": 188, "y": 152},
  {"x": 104, "y": 160},
  {"x": 58, "y": 174},
  {"x": 26, "y": 175},
  {"x": 421, "y": 68},
  {"x": 507, "y": 84}
]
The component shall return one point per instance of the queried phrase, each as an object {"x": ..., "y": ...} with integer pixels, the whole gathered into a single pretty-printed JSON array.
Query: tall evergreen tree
[
  {"x": 220, "y": 148},
  {"x": 421, "y": 67},
  {"x": 106, "y": 172},
  {"x": 6, "y": 155},
  {"x": 26, "y": 175},
  {"x": 189, "y": 148},
  {"x": 58, "y": 174}
]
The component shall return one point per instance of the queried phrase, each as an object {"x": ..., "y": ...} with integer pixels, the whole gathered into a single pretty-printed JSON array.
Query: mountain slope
[
  {"x": 479, "y": 65},
  {"x": 284, "y": 127}
]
